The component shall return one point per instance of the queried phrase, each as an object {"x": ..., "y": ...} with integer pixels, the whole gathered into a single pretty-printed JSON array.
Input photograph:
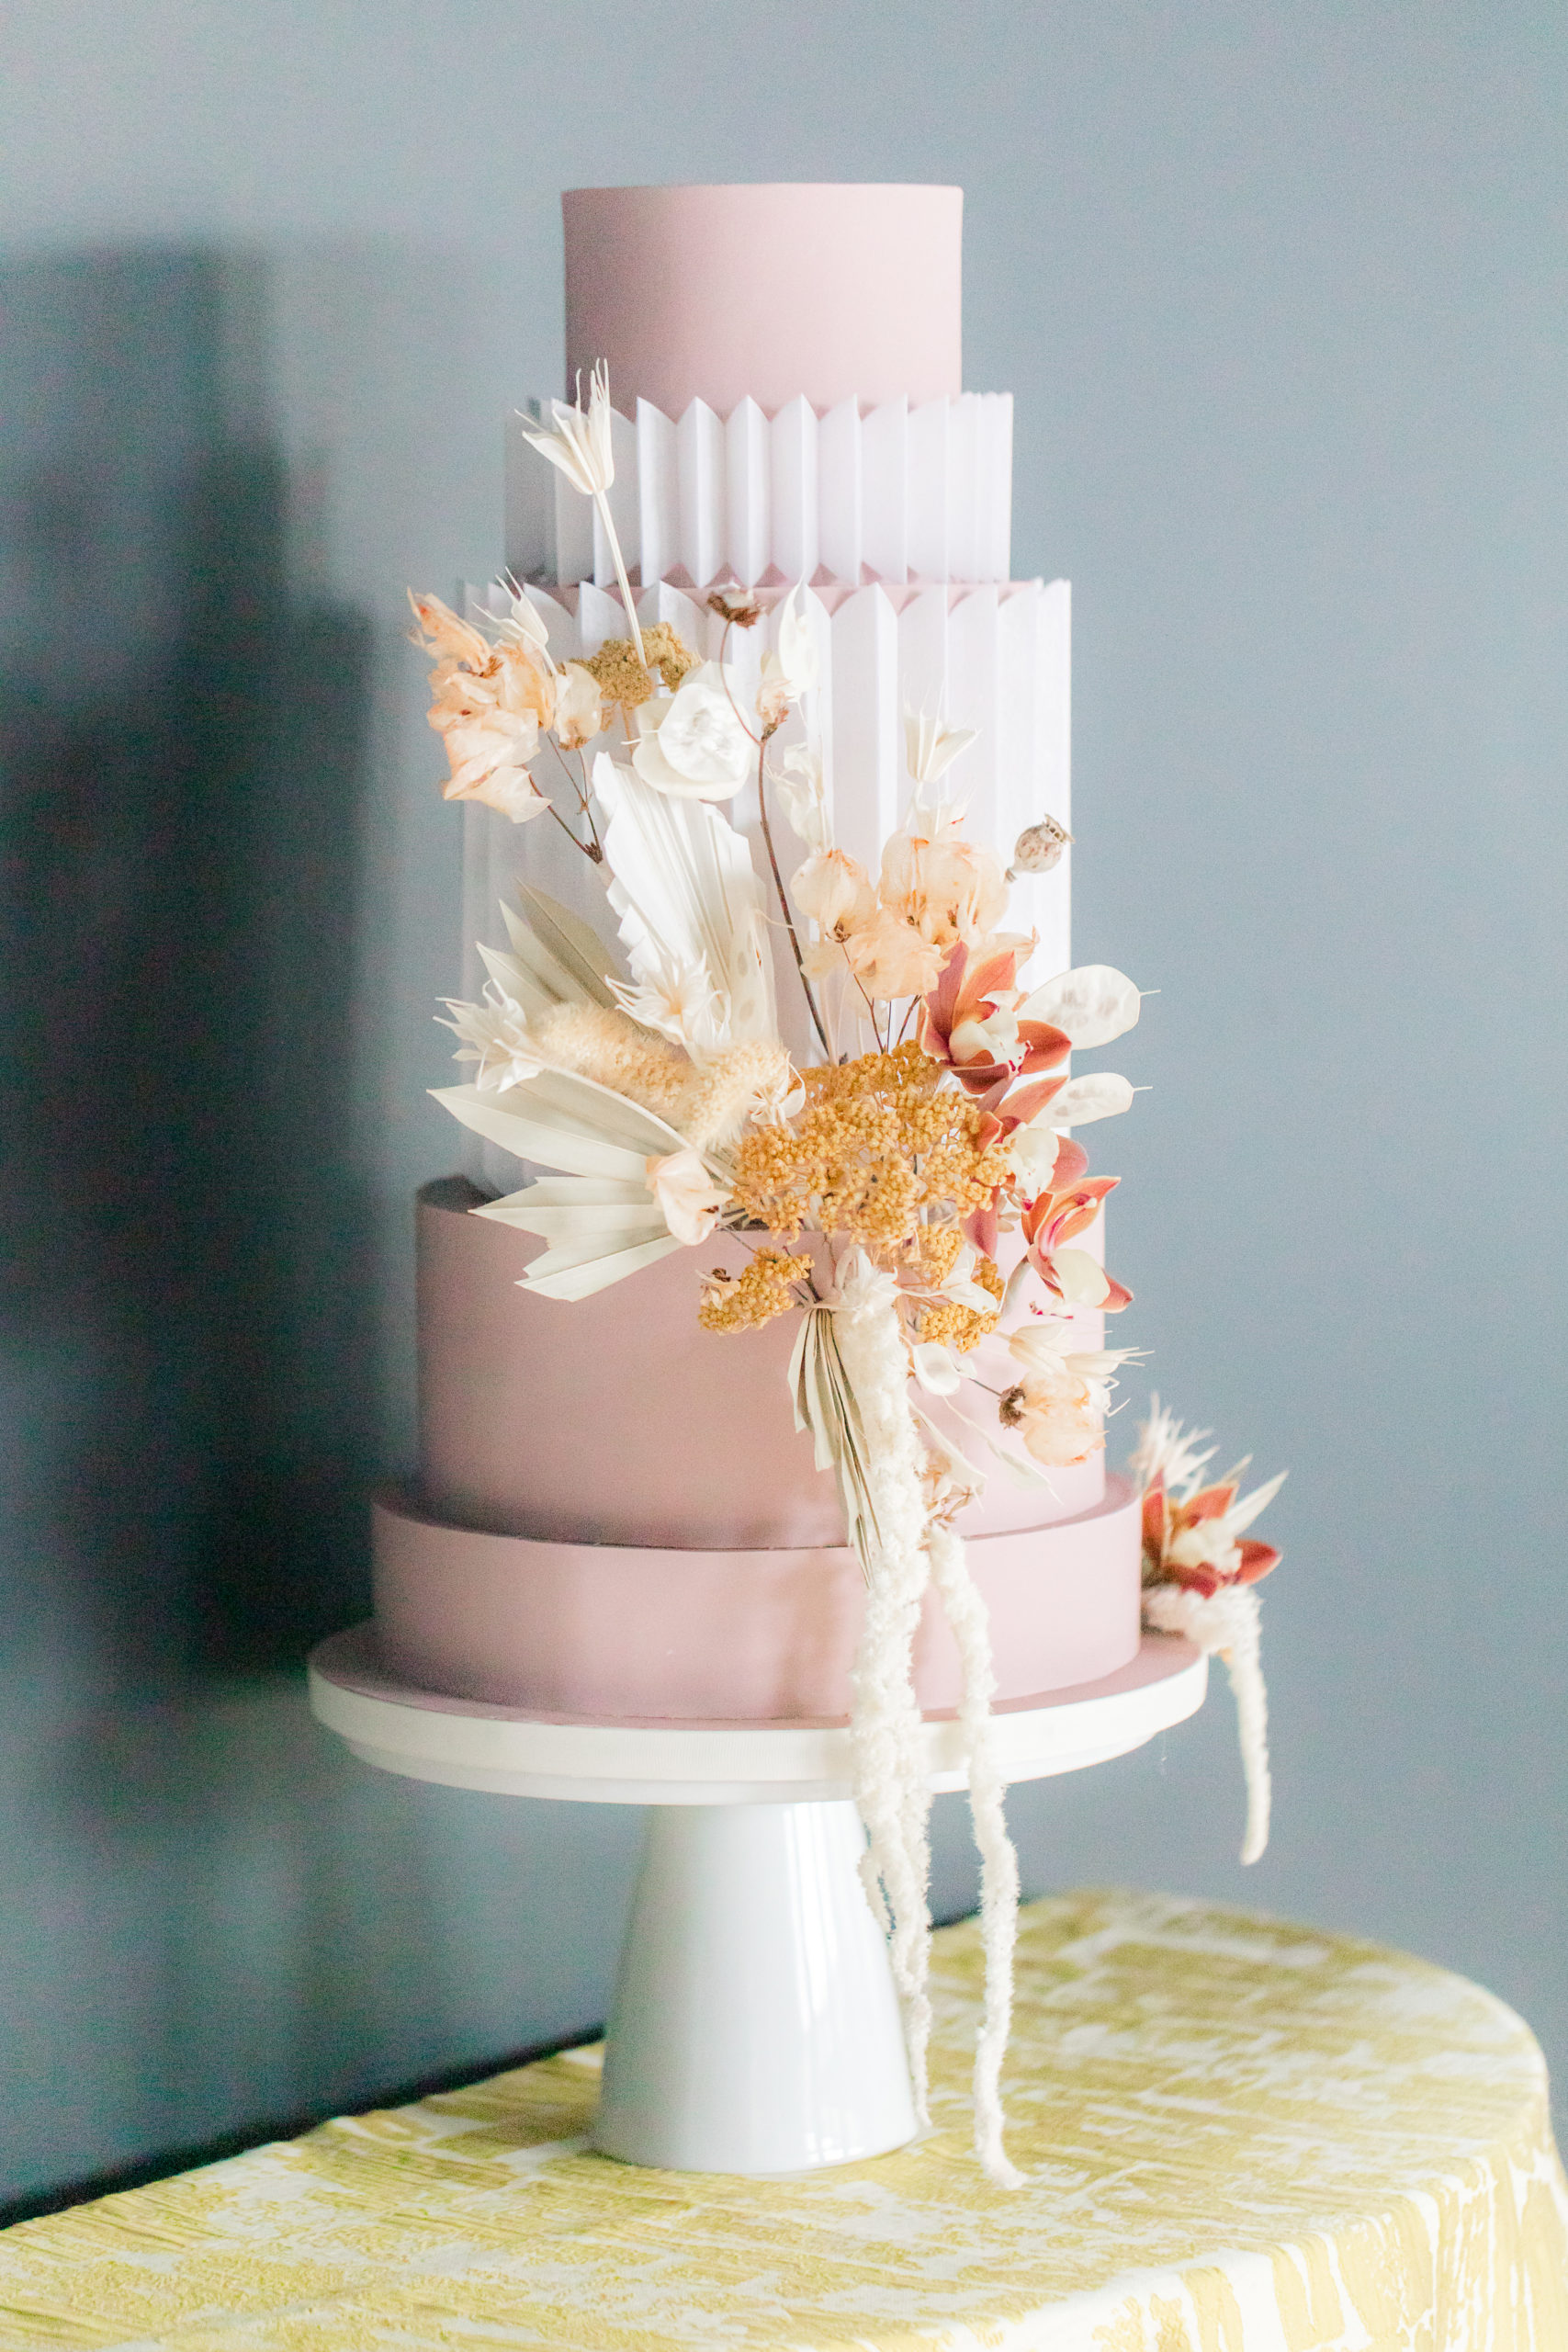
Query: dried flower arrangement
[{"x": 916, "y": 1195}]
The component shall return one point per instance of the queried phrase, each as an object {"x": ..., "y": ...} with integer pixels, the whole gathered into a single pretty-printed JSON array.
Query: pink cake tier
[
  {"x": 616, "y": 1516},
  {"x": 772, "y": 292},
  {"x": 613, "y": 1516}
]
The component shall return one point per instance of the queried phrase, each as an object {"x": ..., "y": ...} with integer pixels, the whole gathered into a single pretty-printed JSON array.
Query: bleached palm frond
[
  {"x": 1242, "y": 1512},
  {"x": 826, "y": 1404},
  {"x": 599, "y": 1228},
  {"x": 690, "y": 902},
  {"x": 564, "y": 954},
  {"x": 560, "y": 1120},
  {"x": 555, "y": 959}
]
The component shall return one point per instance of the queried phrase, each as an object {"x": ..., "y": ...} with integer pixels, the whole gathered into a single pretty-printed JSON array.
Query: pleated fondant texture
[{"x": 895, "y": 492}]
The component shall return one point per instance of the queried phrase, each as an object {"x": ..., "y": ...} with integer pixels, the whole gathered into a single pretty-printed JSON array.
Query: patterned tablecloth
[{"x": 1240, "y": 2136}]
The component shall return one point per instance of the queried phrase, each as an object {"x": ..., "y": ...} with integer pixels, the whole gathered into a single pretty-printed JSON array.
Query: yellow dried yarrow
[
  {"x": 879, "y": 1144},
  {"x": 952, "y": 1326},
  {"x": 934, "y": 1253},
  {"x": 622, "y": 678},
  {"x": 762, "y": 1289},
  {"x": 669, "y": 654}
]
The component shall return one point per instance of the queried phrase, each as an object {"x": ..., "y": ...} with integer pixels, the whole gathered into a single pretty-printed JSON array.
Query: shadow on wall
[{"x": 184, "y": 1286}]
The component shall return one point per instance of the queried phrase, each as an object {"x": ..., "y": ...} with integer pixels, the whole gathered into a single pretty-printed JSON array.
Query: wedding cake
[
  {"x": 762, "y": 1371},
  {"x": 614, "y": 1513}
]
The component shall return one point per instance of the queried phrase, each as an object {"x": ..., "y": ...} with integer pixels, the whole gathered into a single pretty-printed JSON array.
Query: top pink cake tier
[{"x": 712, "y": 293}]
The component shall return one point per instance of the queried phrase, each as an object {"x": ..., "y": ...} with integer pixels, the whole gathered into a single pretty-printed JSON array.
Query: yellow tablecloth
[{"x": 1240, "y": 2136}]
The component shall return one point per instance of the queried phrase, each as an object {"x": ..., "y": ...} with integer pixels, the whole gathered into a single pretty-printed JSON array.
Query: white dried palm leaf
[
  {"x": 690, "y": 902},
  {"x": 564, "y": 954},
  {"x": 560, "y": 1120},
  {"x": 825, "y": 1403},
  {"x": 599, "y": 1228},
  {"x": 555, "y": 959}
]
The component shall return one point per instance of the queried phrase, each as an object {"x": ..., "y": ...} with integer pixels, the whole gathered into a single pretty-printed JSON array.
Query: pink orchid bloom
[
  {"x": 968, "y": 1013},
  {"x": 1192, "y": 1543},
  {"x": 1065, "y": 1209}
]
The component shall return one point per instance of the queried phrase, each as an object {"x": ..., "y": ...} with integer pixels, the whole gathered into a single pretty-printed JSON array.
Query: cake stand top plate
[{"x": 465, "y": 1744}]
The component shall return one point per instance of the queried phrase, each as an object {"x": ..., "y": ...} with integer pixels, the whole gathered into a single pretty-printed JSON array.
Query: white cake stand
[{"x": 755, "y": 2027}]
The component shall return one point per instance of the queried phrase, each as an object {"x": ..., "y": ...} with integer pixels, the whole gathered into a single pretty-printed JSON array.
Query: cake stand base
[{"x": 755, "y": 2027}]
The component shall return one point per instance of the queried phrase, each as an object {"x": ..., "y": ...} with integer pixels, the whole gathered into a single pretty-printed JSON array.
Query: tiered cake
[{"x": 615, "y": 1516}]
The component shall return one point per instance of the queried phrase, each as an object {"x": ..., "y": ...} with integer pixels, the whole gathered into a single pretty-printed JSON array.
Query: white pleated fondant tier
[
  {"x": 894, "y": 493},
  {"x": 997, "y": 659},
  {"x": 994, "y": 658}
]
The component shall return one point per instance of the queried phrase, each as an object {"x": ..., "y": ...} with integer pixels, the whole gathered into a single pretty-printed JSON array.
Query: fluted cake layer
[{"x": 613, "y": 1516}]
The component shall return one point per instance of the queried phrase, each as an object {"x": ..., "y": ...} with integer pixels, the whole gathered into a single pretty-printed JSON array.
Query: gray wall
[{"x": 1279, "y": 290}]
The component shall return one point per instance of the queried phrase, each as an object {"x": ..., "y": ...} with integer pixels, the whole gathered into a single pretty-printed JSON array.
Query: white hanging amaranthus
[
  {"x": 1227, "y": 1625},
  {"x": 850, "y": 1375},
  {"x": 887, "y": 1736},
  {"x": 999, "y": 1862},
  {"x": 1201, "y": 1574}
]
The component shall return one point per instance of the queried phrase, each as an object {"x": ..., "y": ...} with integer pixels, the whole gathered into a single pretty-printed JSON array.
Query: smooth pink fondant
[
  {"x": 609, "y": 1631},
  {"x": 714, "y": 293},
  {"x": 617, "y": 1418},
  {"x": 353, "y": 1660}
]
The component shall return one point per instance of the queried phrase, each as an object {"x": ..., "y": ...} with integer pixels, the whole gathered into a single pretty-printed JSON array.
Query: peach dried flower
[
  {"x": 891, "y": 959},
  {"x": 488, "y": 705},
  {"x": 835, "y": 891},
  {"x": 947, "y": 889},
  {"x": 579, "y": 705}
]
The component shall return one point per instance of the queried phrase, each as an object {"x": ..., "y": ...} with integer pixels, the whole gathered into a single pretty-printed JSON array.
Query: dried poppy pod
[
  {"x": 740, "y": 612},
  {"x": 1038, "y": 848}
]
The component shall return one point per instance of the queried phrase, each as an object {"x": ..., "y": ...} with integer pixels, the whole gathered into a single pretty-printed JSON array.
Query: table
[{"x": 1240, "y": 2136}]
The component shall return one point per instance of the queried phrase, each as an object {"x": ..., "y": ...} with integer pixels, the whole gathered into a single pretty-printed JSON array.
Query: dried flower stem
[
  {"x": 784, "y": 902},
  {"x": 602, "y": 502},
  {"x": 592, "y": 848},
  {"x": 870, "y": 1014}
]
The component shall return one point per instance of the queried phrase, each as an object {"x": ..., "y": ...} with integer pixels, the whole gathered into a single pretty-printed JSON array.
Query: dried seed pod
[
  {"x": 741, "y": 612},
  {"x": 1038, "y": 848}
]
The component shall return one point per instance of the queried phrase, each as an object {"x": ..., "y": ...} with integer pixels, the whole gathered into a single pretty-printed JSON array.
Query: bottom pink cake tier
[{"x": 636, "y": 1634}]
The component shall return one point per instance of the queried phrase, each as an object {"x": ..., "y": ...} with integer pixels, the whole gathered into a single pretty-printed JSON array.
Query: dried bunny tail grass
[
  {"x": 886, "y": 1732},
  {"x": 965, "y": 1614},
  {"x": 708, "y": 1101},
  {"x": 725, "y": 1088},
  {"x": 596, "y": 1041},
  {"x": 1230, "y": 1622}
]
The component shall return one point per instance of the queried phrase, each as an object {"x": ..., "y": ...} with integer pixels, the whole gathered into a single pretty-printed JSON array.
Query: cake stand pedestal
[{"x": 755, "y": 2027}]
